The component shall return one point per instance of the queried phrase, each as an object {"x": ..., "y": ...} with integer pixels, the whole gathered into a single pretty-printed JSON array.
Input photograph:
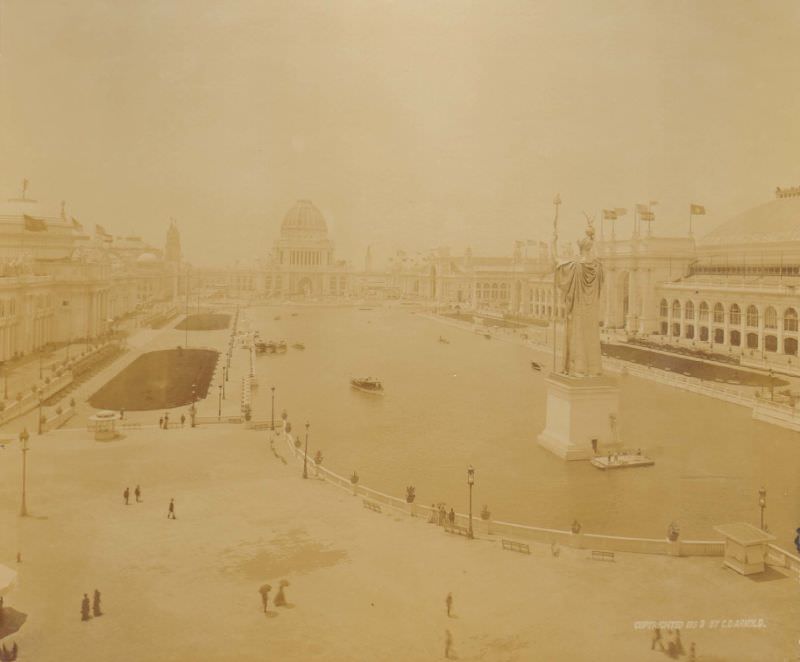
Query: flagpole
[
  {"x": 690, "y": 220},
  {"x": 556, "y": 203}
]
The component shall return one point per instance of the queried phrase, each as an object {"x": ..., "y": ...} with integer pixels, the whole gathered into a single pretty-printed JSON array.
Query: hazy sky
[{"x": 413, "y": 123}]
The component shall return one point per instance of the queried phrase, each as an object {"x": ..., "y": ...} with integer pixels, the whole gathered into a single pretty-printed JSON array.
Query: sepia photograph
[{"x": 399, "y": 330}]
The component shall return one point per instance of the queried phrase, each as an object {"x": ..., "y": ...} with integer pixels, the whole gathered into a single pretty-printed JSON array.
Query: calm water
[{"x": 477, "y": 401}]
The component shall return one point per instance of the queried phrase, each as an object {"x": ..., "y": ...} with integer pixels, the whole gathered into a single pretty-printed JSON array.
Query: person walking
[
  {"x": 657, "y": 640},
  {"x": 442, "y": 515},
  {"x": 183, "y": 419},
  {"x": 161, "y": 422},
  {"x": 96, "y": 611},
  {"x": 448, "y": 643},
  {"x": 264, "y": 591},
  {"x": 138, "y": 494},
  {"x": 171, "y": 512},
  {"x": 449, "y": 602},
  {"x": 452, "y": 517},
  {"x": 85, "y": 608},
  {"x": 166, "y": 421},
  {"x": 126, "y": 495}
]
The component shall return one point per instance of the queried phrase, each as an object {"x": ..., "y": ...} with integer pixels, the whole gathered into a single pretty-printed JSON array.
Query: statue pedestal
[{"x": 579, "y": 409}]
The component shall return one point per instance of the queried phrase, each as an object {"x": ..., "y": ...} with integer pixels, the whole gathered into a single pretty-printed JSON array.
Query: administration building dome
[
  {"x": 304, "y": 218},
  {"x": 774, "y": 221}
]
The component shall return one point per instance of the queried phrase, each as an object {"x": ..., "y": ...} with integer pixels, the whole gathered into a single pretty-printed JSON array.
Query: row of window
[
  {"x": 735, "y": 337},
  {"x": 734, "y": 314},
  {"x": 8, "y": 307},
  {"x": 305, "y": 258}
]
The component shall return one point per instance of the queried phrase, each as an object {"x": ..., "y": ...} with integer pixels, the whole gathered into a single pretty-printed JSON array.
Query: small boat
[
  {"x": 276, "y": 318},
  {"x": 368, "y": 385},
  {"x": 536, "y": 366},
  {"x": 299, "y": 345},
  {"x": 444, "y": 340},
  {"x": 294, "y": 314},
  {"x": 281, "y": 347},
  {"x": 265, "y": 347},
  {"x": 488, "y": 336}
]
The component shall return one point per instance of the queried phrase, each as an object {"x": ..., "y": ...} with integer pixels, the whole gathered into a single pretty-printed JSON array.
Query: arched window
[
  {"x": 689, "y": 310},
  {"x": 736, "y": 314},
  {"x": 676, "y": 329},
  {"x": 676, "y": 309},
  {"x": 704, "y": 333},
  {"x": 664, "y": 308},
  {"x": 790, "y": 320},
  {"x": 689, "y": 333},
  {"x": 719, "y": 313},
  {"x": 664, "y": 328},
  {"x": 770, "y": 318},
  {"x": 703, "y": 312},
  {"x": 752, "y": 317}
]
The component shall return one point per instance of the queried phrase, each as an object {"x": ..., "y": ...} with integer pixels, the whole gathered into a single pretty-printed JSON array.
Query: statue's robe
[{"x": 580, "y": 282}]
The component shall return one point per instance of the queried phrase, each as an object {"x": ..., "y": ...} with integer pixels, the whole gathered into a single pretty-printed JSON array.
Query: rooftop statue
[{"x": 578, "y": 281}]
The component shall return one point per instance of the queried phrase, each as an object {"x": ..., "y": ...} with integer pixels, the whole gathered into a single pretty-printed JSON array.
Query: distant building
[{"x": 59, "y": 283}]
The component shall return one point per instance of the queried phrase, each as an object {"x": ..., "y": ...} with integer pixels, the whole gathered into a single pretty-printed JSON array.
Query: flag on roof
[
  {"x": 34, "y": 224},
  {"x": 641, "y": 209},
  {"x": 76, "y": 225},
  {"x": 647, "y": 216},
  {"x": 697, "y": 210},
  {"x": 609, "y": 215}
]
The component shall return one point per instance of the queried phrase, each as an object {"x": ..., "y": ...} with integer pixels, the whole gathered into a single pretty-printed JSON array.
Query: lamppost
[
  {"x": 272, "y": 418},
  {"x": 193, "y": 410},
  {"x": 305, "y": 455},
  {"x": 40, "y": 411},
  {"x": 23, "y": 440},
  {"x": 219, "y": 409},
  {"x": 41, "y": 358},
  {"x": 470, "y": 482},
  {"x": 762, "y": 503},
  {"x": 224, "y": 370}
]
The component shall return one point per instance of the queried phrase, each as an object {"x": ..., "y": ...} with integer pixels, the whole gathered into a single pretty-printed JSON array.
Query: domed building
[{"x": 302, "y": 261}]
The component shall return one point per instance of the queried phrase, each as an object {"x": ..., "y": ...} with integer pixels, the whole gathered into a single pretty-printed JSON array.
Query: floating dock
[{"x": 621, "y": 461}]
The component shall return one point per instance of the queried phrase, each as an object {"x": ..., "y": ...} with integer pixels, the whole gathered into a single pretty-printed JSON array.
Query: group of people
[
  {"x": 94, "y": 606},
  {"x": 280, "y": 597},
  {"x": 674, "y": 647},
  {"x": 137, "y": 492},
  {"x": 440, "y": 516},
  {"x": 163, "y": 422}
]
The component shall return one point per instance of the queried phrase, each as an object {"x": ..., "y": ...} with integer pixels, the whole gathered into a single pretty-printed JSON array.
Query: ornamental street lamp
[
  {"x": 470, "y": 482},
  {"x": 219, "y": 409},
  {"x": 23, "y": 440},
  {"x": 762, "y": 503},
  {"x": 272, "y": 418},
  {"x": 305, "y": 454},
  {"x": 193, "y": 410},
  {"x": 223, "y": 381}
]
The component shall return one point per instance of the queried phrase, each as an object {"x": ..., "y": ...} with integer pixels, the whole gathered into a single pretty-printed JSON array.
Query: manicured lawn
[
  {"x": 158, "y": 380},
  {"x": 204, "y": 322}
]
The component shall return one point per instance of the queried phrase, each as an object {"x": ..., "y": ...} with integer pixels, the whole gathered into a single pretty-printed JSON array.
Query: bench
[
  {"x": 371, "y": 505},
  {"x": 514, "y": 546},
  {"x": 600, "y": 555},
  {"x": 456, "y": 529}
]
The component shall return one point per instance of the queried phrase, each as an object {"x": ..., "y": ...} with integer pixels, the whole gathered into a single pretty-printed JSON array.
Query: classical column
[
  {"x": 610, "y": 291},
  {"x": 779, "y": 330},
  {"x": 648, "y": 315},
  {"x": 630, "y": 321}
]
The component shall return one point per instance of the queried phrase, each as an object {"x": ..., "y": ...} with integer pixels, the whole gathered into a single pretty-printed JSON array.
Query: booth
[
  {"x": 104, "y": 425},
  {"x": 745, "y": 547}
]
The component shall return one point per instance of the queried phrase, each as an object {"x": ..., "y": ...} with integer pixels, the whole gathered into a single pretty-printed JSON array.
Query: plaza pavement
[{"x": 364, "y": 586}]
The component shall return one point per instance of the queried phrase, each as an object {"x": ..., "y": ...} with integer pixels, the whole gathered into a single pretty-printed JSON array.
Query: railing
[
  {"x": 781, "y": 558},
  {"x": 512, "y": 530}
]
